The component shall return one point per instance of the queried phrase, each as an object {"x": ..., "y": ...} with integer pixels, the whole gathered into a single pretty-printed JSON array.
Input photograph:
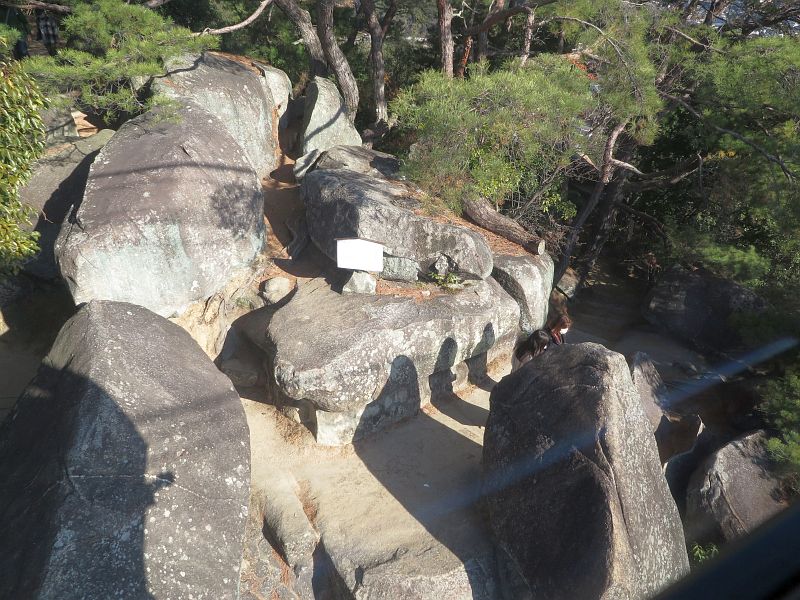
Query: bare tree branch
[
  {"x": 155, "y": 3},
  {"x": 31, "y": 4},
  {"x": 500, "y": 16},
  {"x": 238, "y": 26},
  {"x": 688, "y": 38},
  {"x": 790, "y": 175}
]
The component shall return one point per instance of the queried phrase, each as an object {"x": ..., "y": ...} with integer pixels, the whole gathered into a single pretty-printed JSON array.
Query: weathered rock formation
[
  {"x": 354, "y": 158},
  {"x": 239, "y": 97},
  {"x": 363, "y": 362},
  {"x": 280, "y": 87},
  {"x": 697, "y": 306},
  {"x": 529, "y": 280},
  {"x": 172, "y": 209},
  {"x": 574, "y": 487},
  {"x": 57, "y": 184},
  {"x": 732, "y": 492},
  {"x": 325, "y": 122},
  {"x": 124, "y": 469},
  {"x": 343, "y": 203}
]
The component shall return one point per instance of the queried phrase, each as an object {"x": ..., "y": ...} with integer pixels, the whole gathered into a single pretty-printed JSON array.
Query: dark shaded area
[
  {"x": 59, "y": 520},
  {"x": 450, "y": 515}
]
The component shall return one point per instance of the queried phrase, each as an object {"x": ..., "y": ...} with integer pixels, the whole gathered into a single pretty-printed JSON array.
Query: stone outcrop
[
  {"x": 125, "y": 467},
  {"x": 529, "y": 280},
  {"x": 343, "y": 203},
  {"x": 325, "y": 122},
  {"x": 650, "y": 386},
  {"x": 172, "y": 209},
  {"x": 354, "y": 158},
  {"x": 57, "y": 184},
  {"x": 574, "y": 486},
  {"x": 732, "y": 492},
  {"x": 59, "y": 125},
  {"x": 280, "y": 88},
  {"x": 363, "y": 362},
  {"x": 236, "y": 95},
  {"x": 697, "y": 306}
]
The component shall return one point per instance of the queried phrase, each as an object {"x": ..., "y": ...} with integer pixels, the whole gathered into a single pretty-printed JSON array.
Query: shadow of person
[
  {"x": 432, "y": 470},
  {"x": 73, "y": 493}
]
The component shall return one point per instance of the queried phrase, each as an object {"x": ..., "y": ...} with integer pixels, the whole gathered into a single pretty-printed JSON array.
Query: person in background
[
  {"x": 47, "y": 30},
  {"x": 16, "y": 19}
]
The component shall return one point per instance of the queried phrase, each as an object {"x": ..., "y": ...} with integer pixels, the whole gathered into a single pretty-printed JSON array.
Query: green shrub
[
  {"x": 111, "y": 48},
  {"x": 22, "y": 137},
  {"x": 507, "y": 136}
]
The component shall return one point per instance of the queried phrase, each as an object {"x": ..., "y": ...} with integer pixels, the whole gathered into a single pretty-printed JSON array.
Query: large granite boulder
[
  {"x": 732, "y": 492},
  {"x": 325, "y": 121},
  {"x": 342, "y": 203},
  {"x": 57, "y": 184},
  {"x": 529, "y": 280},
  {"x": 172, "y": 209},
  {"x": 574, "y": 487},
  {"x": 238, "y": 96},
  {"x": 125, "y": 467},
  {"x": 697, "y": 307},
  {"x": 359, "y": 363}
]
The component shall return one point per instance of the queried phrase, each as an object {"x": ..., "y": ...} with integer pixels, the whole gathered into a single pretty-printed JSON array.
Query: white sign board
[{"x": 359, "y": 255}]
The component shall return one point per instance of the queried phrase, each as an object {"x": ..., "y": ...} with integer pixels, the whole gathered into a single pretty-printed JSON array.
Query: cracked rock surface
[
  {"x": 113, "y": 480},
  {"x": 570, "y": 461}
]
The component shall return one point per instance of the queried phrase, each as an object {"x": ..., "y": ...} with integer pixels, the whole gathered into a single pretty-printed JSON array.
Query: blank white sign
[{"x": 359, "y": 255}]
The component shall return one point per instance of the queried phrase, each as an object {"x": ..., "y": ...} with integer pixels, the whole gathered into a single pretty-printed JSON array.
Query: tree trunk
[
  {"x": 462, "y": 64},
  {"x": 483, "y": 36},
  {"x": 484, "y": 215},
  {"x": 336, "y": 58},
  {"x": 714, "y": 10},
  {"x": 606, "y": 172},
  {"x": 302, "y": 20},
  {"x": 377, "y": 33},
  {"x": 446, "y": 36},
  {"x": 530, "y": 21},
  {"x": 607, "y": 220}
]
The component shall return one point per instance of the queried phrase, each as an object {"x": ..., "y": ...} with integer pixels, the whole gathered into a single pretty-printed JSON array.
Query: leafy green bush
[
  {"x": 22, "y": 136},
  {"x": 507, "y": 135},
  {"x": 700, "y": 554},
  {"x": 782, "y": 406},
  {"x": 112, "y": 48}
]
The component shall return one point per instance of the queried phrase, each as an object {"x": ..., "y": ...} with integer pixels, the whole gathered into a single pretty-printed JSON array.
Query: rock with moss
[
  {"x": 341, "y": 203},
  {"x": 363, "y": 362},
  {"x": 171, "y": 212},
  {"x": 238, "y": 96}
]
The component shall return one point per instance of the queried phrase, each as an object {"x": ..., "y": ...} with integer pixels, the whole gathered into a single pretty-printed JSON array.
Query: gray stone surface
[
  {"x": 574, "y": 486},
  {"x": 341, "y": 204},
  {"x": 360, "y": 282},
  {"x": 325, "y": 122},
  {"x": 529, "y": 280},
  {"x": 280, "y": 89},
  {"x": 276, "y": 289},
  {"x": 172, "y": 209},
  {"x": 57, "y": 184},
  {"x": 732, "y": 492},
  {"x": 304, "y": 164},
  {"x": 397, "y": 268},
  {"x": 125, "y": 467},
  {"x": 650, "y": 387},
  {"x": 697, "y": 306},
  {"x": 239, "y": 97},
  {"x": 362, "y": 362},
  {"x": 359, "y": 159},
  {"x": 59, "y": 125}
]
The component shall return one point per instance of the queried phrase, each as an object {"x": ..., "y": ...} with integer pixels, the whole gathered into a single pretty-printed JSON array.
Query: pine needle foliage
[{"x": 112, "y": 49}]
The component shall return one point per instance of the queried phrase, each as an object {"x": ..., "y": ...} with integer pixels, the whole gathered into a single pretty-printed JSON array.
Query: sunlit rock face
[
  {"x": 172, "y": 209},
  {"x": 574, "y": 486},
  {"x": 125, "y": 467},
  {"x": 360, "y": 363},
  {"x": 325, "y": 122},
  {"x": 240, "y": 97},
  {"x": 342, "y": 203}
]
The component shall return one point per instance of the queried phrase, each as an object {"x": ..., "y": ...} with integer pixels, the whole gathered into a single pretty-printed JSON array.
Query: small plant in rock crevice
[{"x": 699, "y": 554}]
